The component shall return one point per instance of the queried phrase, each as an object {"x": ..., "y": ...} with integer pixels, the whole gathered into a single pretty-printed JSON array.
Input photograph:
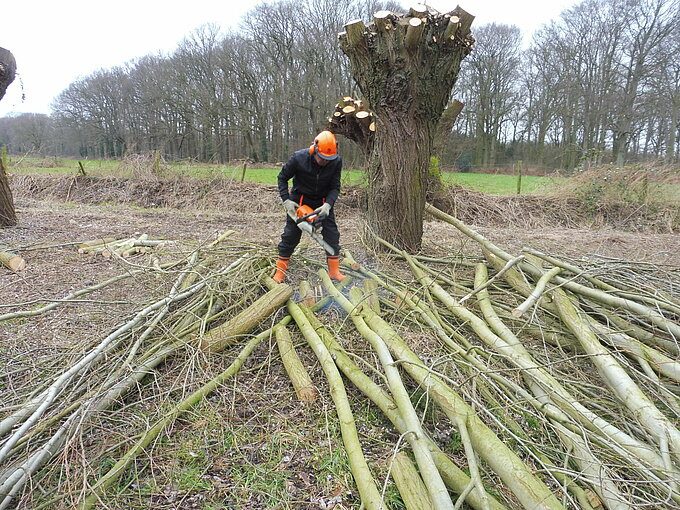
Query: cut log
[
  {"x": 418, "y": 11},
  {"x": 221, "y": 337},
  {"x": 351, "y": 119},
  {"x": 355, "y": 32},
  {"x": 298, "y": 375},
  {"x": 95, "y": 242},
  {"x": 307, "y": 294},
  {"x": 383, "y": 21},
  {"x": 410, "y": 485},
  {"x": 12, "y": 261},
  {"x": 445, "y": 126},
  {"x": 454, "y": 23},
  {"x": 372, "y": 298}
]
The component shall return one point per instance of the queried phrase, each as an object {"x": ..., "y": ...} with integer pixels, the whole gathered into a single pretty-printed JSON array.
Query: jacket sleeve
[
  {"x": 334, "y": 191},
  {"x": 287, "y": 172}
]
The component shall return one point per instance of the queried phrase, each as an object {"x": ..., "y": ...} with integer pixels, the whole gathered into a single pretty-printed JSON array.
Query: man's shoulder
[
  {"x": 301, "y": 155},
  {"x": 297, "y": 160}
]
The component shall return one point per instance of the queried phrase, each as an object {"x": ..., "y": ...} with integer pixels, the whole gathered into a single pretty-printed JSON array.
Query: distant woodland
[{"x": 599, "y": 84}]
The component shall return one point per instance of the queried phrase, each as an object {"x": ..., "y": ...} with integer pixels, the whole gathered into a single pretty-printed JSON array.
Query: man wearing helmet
[{"x": 316, "y": 183}]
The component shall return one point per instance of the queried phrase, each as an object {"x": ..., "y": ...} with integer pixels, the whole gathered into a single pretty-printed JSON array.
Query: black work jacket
[{"x": 313, "y": 181}]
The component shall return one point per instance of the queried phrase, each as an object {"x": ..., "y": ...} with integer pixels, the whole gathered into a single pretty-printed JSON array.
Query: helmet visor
[{"x": 330, "y": 157}]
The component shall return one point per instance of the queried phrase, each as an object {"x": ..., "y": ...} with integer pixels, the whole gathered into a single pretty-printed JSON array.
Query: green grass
[
  {"x": 59, "y": 166},
  {"x": 488, "y": 183},
  {"x": 501, "y": 184}
]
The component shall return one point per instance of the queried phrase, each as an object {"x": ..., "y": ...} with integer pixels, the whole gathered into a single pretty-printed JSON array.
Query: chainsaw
[{"x": 307, "y": 220}]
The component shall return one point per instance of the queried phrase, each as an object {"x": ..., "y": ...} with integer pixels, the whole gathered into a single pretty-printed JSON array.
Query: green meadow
[{"x": 488, "y": 183}]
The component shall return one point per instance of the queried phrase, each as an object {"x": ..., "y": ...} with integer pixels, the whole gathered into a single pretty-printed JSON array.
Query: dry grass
[
  {"x": 638, "y": 200},
  {"x": 634, "y": 199}
]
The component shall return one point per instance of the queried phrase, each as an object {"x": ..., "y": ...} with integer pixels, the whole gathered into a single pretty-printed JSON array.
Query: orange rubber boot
[
  {"x": 334, "y": 268},
  {"x": 281, "y": 266}
]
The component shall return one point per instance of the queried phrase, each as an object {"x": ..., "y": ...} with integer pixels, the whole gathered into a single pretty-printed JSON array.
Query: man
[{"x": 316, "y": 183}]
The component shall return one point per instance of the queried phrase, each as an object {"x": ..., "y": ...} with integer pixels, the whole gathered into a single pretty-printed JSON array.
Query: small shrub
[{"x": 146, "y": 166}]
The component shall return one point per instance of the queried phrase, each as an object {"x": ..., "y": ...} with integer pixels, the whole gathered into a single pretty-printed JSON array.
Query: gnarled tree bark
[
  {"x": 8, "y": 216},
  {"x": 405, "y": 66}
]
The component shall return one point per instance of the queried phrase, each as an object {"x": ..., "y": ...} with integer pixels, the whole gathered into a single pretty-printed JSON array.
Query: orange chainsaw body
[{"x": 305, "y": 210}]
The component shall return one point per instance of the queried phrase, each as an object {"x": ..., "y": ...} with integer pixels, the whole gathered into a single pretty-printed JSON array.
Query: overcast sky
[{"x": 57, "y": 41}]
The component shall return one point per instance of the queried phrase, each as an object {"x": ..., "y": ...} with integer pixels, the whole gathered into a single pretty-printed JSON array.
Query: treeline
[{"x": 599, "y": 84}]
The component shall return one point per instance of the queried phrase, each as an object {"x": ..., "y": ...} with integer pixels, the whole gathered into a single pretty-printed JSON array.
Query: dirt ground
[
  {"x": 256, "y": 216},
  {"x": 48, "y": 231}
]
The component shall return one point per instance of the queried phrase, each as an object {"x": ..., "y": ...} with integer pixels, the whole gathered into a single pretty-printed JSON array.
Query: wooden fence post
[{"x": 519, "y": 177}]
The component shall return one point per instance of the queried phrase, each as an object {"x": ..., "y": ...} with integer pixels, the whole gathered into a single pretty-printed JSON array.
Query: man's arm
[
  {"x": 287, "y": 172},
  {"x": 334, "y": 191}
]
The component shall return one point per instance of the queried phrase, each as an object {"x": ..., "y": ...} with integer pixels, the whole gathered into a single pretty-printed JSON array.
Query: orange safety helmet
[{"x": 325, "y": 145}]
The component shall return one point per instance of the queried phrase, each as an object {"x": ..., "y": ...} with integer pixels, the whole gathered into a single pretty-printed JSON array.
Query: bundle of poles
[
  {"x": 109, "y": 246},
  {"x": 560, "y": 379}
]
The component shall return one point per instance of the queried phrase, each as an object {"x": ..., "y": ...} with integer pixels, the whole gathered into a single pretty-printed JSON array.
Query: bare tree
[
  {"x": 651, "y": 22},
  {"x": 590, "y": 88},
  {"x": 490, "y": 79}
]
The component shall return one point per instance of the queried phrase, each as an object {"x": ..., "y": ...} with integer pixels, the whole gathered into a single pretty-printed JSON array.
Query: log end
[
  {"x": 308, "y": 394},
  {"x": 17, "y": 264},
  {"x": 12, "y": 261}
]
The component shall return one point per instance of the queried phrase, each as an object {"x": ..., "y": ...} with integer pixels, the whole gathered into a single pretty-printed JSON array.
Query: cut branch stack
[
  {"x": 110, "y": 247},
  {"x": 507, "y": 381},
  {"x": 353, "y": 120}
]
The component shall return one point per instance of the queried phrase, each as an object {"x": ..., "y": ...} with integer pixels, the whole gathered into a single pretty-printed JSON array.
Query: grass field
[
  {"x": 500, "y": 183},
  {"x": 488, "y": 183}
]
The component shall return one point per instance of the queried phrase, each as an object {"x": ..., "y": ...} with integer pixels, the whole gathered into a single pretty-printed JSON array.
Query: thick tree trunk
[
  {"x": 397, "y": 182},
  {"x": 8, "y": 216},
  {"x": 405, "y": 67}
]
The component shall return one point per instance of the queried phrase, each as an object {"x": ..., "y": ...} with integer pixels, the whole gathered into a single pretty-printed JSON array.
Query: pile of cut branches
[
  {"x": 559, "y": 378},
  {"x": 109, "y": 247}
]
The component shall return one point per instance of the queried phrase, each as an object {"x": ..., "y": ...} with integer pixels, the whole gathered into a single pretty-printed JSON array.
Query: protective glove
[
  {"x": 323, "y": 211},
  {"x": 290, "y": 207}
]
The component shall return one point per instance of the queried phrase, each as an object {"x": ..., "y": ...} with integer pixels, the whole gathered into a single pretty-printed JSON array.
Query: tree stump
[{"x": 405, "y": 66}]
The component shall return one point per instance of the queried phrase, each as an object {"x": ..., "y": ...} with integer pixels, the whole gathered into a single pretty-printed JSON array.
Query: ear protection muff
[{"x": 312, "y": 148}]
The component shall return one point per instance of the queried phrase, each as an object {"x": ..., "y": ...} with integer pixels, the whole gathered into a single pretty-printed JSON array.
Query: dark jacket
[{"x": 309, "y": 179}]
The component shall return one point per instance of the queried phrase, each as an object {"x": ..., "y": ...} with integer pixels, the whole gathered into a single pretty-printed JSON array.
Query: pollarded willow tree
[{"x": 405, "y": 66}]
